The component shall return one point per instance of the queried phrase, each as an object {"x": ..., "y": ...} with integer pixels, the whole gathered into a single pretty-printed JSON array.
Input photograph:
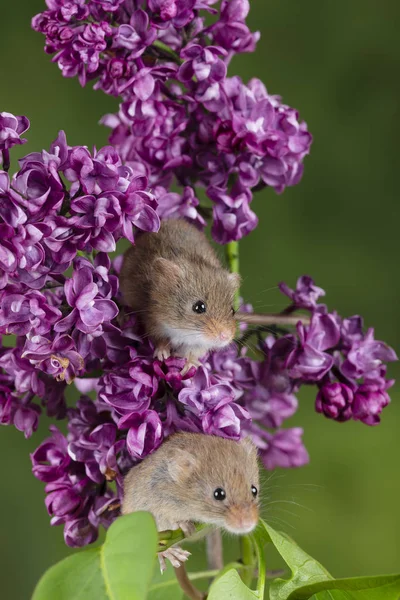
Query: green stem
[
  {"x": 248, "y": 559},
  {"x": 198, "y": 575},
  {"x": 232, "y": 257},
  {"x": 167, "y": 51},
  {"x": 170, "y": 537},
  {"x": 262, "y": 573}
]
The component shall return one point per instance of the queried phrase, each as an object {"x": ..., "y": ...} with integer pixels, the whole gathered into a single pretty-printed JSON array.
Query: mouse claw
[
  {"x": 162, "y": 352},
  {"x": 175, "y": 555},
  {"x": 188, "y": 528}
]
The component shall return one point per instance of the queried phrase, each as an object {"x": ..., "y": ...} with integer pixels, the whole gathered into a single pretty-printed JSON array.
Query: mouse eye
[
  {"x": 219, "y": 494},
  {"x": 199, "y": 307},
  {"x": 254, "y": 490},
  {"x": 233, "y": 311}
]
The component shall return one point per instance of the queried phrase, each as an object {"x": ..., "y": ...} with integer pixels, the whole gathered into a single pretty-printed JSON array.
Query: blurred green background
[{"x": 337, "y": 63}]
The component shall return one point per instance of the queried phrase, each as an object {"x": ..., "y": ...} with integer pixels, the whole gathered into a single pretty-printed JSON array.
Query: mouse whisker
[
  {"x": 291, "y": 502},
  {"x": 289, "y": 512},
  {"x": 279, "y": 522}
]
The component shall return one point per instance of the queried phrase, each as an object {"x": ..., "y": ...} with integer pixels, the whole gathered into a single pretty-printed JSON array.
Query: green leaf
[
  {"x": 385, "y": 587},
  {"x": 77, "y": 576},
  {"x": 319, "y": 583},
  {"x": 230, "y": 587},
  {"x": 304, "y": 568},
  {"x": 121, "y": 569},
  {"x": 165, "y": 585},
  {"x": 128, "y": 555}
]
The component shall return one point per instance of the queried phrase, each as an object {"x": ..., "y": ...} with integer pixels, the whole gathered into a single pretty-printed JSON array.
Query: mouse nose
[{"x": 223, "y": 336}]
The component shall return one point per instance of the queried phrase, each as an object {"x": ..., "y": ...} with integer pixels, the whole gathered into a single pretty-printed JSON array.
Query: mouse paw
[
  {"x": 175, "y": 555},
  {"x": 162, "y": 351},
  {"x": 187, "y": 527}
]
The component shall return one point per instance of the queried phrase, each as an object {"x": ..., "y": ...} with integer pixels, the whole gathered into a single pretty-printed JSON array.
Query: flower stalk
[{"x": 232, "y": 257}]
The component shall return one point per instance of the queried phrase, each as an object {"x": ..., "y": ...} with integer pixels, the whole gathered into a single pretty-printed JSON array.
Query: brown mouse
[
  {"x": 195, "y": 477},
  {"x": 180, "y": 291}
]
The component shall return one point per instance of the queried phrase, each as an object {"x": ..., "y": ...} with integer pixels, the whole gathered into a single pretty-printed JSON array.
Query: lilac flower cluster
[
  {"x": 63, "y": 211},
  {"x": 346, "y": 364},
  {"x": 58, "y": 320},
  {"x": 181, "y": 119}
]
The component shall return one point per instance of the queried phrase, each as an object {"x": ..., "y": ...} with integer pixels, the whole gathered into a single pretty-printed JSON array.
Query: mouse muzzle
[
  {"x": 241, "y": 518},
  {"x": 221, "y": 334}
]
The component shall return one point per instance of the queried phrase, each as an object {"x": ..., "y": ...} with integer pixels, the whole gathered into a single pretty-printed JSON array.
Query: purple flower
[
  {"x": 309, "y": 361},
  {"x": 95, "y": 174},
  {"x": 351, "y": 331},
  {"x": 179, "y": 11},
  {"x": 54, "y": 399},
  {"x": 202, "y": 63},
  {"x": 335, "y": 401},
  {"x": 226, "y": 419},
  {"x": 88, "y": 311},
  {"x": 40, "y": 190},
  {"x": 230, "y": 31},
  {"x": 24, "y": 375},
  {"x": 172, "y": 206},
  {"x": 269, "y": 407},
  {"x": 109, "y": 5},
  {"x": 50, "y": 460},
  {"x": 144, "y": 432},
  {"x": 281, "y": 449},
  {"x": 11, "y": 129},
  {"x": 7, "y": 405},
  {"x": 79, "y": 532},
  {"x": 366, "y": 355},
  {"x": 174, "y": 420},
  {"x": 10, "y": 211},
  {"x": 306, "y": 293},
  {"x": 170, "y": 371},
  {"x": 129, "y": 389},
  {"x": 232, "y": 216},
  {"x": 137, "y": 209},
  {"x": 137, "y": 35},
  {"x": 64, "y": 498},
  {"x": 57, "y": 358},
  {"x": 233, "y": 367},
  {"x": 99, "y": 217},
  {"x": 26, "y": 418},
  {"x": 369, "y": 401},
  {"x": 97, "y": 448},
  {"x": 202, "y": 393},
  {"x": 27, "y": 313},
  {"x": 235, "y": 10}
]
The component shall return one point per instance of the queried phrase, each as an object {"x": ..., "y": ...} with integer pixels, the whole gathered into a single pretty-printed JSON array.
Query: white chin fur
[
  {"x": 188, "y": 338},
  {"x": 240, "y": 531}
]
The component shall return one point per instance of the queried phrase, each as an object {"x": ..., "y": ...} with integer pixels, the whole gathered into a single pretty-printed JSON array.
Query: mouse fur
[
  {"x": 162, "y": 277},
  {"x": 177, "y": 482}
]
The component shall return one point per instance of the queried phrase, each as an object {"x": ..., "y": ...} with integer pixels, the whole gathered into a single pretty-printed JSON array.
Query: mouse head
[
  {"x": 219, "y": 480},
  {"x": 195, "y": 303}
]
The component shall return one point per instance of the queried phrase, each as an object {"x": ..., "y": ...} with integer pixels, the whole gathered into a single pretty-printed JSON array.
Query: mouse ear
[
  {"x": 234, "y": 279},
  {"x": 167, "y": 269},
  {"x": 181, "y": 466}
]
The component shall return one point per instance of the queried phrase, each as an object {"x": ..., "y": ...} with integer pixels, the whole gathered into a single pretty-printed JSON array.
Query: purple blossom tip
[{"x": 11, "y": 129}]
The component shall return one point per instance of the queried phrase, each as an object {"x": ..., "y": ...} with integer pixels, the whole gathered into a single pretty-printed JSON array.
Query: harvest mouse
[
  {"x": 195, "y": 477},
  {"x": 181, "y": 293}
]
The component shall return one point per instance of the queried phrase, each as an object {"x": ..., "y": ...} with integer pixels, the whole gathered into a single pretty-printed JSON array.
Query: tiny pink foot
[{"x": 175, "y": 555}]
